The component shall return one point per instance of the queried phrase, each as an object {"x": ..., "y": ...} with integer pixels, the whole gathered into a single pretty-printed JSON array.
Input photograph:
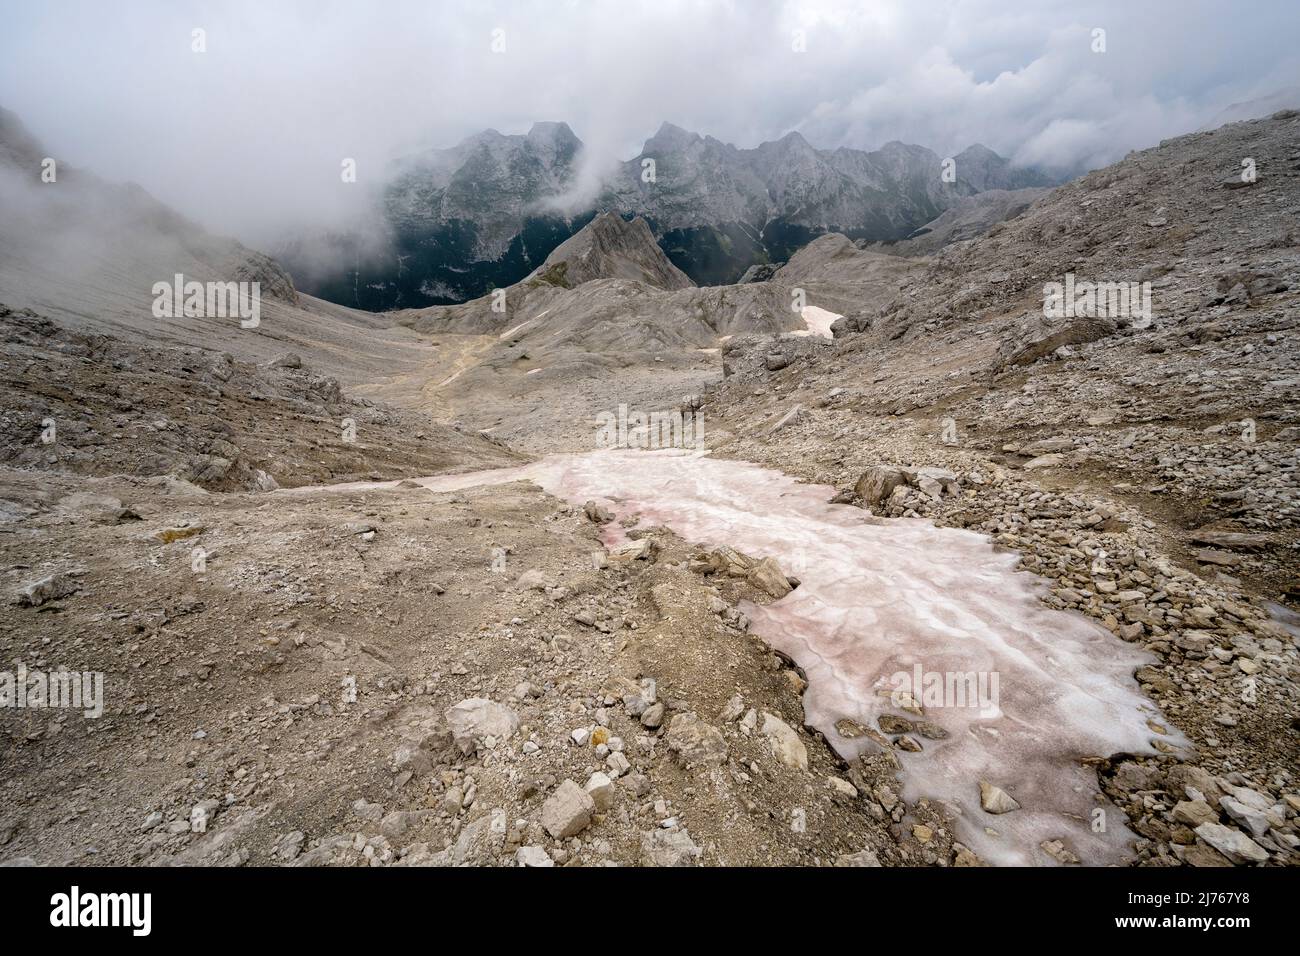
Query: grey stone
[
  {"x": 694, "y": 741},
  {"x": 995, "y": 799},
  {"x": 534, "y": 856},
  {"x": 46, "y": 589},
  {"x": 785, "y": 742},
  {"x": 668, "y": 848},
  {"x": 1232, "y": 843},
  {"x": 477, "y": 718},
  {"x": 567, "y": 811}
]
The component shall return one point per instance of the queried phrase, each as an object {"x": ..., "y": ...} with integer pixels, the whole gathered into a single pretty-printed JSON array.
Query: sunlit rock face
[{"x": 899, "y": 619}]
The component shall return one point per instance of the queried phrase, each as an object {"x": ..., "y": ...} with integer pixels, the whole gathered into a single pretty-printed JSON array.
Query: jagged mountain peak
[
  {"x": 488, "y": 135},
  {"x": 896, "y": 147},
  {"x": 550, "y": 127},
  {"x": 669, "y": 138},
  {"x": 542, "y": 136},
  {"x": 985, "y": 169},
  {"x": 611, "y": 247},
  {"x": 792, "y": 143},
  {"x": 547, "y": 131}
]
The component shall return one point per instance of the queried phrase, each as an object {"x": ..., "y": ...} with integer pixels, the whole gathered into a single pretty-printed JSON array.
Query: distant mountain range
[{"x": 488, "y": 211}]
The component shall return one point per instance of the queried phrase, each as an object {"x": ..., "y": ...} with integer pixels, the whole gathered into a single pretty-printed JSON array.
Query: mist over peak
[{"x": 248, "y": 136}]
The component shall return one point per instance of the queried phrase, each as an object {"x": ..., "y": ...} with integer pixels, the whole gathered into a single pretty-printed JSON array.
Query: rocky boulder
[{"x": 476, "y": 720}]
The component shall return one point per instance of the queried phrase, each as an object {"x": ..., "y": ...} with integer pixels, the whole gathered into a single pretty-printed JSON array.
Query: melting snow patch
[
  {"x": 906, "y": 628},
  {"x": 818, "y": 321}
]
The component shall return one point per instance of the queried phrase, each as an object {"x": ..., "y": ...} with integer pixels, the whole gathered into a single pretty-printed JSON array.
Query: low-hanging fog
[{"x": 248, "y": 136}]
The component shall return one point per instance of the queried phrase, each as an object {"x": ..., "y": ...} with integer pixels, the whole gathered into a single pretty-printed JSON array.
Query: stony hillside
[
  {"x": 611, "y": 247},
  {"x": 200, "y": 417},
  {"x": 1146, "y": 465},
  {"x": 86, "y": 253},
  {"x": 578, "y": 336}
]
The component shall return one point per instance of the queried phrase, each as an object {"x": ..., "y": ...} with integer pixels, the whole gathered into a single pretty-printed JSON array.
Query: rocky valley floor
[
  {"x": 379, "y": 677},
  {"x": 391, "y": 675}
]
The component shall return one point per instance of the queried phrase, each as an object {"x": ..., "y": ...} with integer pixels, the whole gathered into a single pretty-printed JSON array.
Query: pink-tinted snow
[{"x": 884, "y": 597}]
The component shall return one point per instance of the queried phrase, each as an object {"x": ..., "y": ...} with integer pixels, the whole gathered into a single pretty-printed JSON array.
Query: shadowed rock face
[
  {"x": 887, "y": 193},
  {"x": 452, "y": 224},
  {"x": 610, "y": 288},
  {"x": 970, "y": 217},
  {"x": 493, "y": 181}
]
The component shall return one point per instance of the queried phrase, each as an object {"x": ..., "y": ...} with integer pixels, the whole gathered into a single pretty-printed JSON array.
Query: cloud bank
[{"x": 249, "y": 136}]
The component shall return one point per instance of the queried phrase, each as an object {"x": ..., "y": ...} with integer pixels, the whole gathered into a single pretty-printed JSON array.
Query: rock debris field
[{"x": 959, "y": 584}]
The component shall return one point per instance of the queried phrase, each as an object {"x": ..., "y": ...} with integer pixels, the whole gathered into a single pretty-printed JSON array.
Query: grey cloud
[{"x": 248, "y": 137}]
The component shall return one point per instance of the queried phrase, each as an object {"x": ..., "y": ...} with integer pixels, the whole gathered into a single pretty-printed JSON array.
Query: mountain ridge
[{"x": 484, "y": 213}]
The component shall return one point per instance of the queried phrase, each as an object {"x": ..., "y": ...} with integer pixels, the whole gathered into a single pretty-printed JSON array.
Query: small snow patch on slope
[
  {"x": 509, "y": 332},
  {"x": 818, "y": 321}
]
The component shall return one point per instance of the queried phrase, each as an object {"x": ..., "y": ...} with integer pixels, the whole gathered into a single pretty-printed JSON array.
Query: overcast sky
[{"x": 248, "y": 136}]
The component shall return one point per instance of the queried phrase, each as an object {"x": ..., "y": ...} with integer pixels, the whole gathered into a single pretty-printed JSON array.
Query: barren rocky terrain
[
  {"x": 384, "y": 674},
  {"x": 1147, "y": 466},
  {"x": 287, "y": 667}
]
